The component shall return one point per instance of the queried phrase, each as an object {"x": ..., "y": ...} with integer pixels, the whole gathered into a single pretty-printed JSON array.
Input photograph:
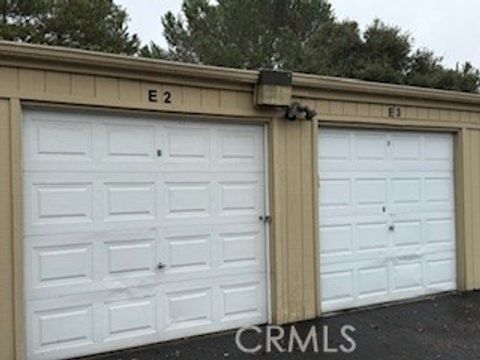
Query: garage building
[{"x": 145, "y": 201}]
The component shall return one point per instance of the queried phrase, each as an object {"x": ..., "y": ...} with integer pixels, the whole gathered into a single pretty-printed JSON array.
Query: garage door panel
[
  {"x": 334, "y": 147},
  {"x": 84, "y": 324},
  {"x": 440, "y": 230},
  {"x": 126, "y": 200},
  {"x": 440, "y": 272},
  {"x": 108, "y": 199},
  {"x": 373, "y": 282},
  {"x": 433, "y": 231},
  {"x": 58, "y": 267},
  {"x": 129, "y": 200},
  {"x": 406, "y": 148},
  {"x": 226, "y": 148},
  {"x": 212, "y": 251},
  {"x": 51, "y": 139},
  {"x": 407, "y": 278},
  {"x": 240, "y": 148},
  {"x": 187, "y": 144},
  {"x": 56, "y": 201},
  {"x": 72, "y": 202},
  {"x": 406, "y": 192},
  {"x": 128, "y": 142},
  {"x": 240, "y": 248},
  {"x": 343, "y": 151},
  {"x": 336, "y": 239},
  {"x": 188, "y": 308},
  {"x": 130, "y": 318},
  {"x": 387, "y": 220},
  {"x": 439, "y": 192},
  {"x": 438, "y": 150},
  {"x": 340, "y": 194},
  {"x": 335, "y": 194},
  {"x": 75, "y": 142},
  {"x": 208, "y": 199},
  {"x": 131, "y": 258},
  {"x": 243, "y": 301},
  {"x": 188, "y": 199},
  {"x": 240, "y": 196},
  {"x": 338, "y": 286},
  {"x": 408, "y": 233},
  {"x": 421, "y": 151},
  {"x": 58, "y": 328},
  {"x": 370, "y": 147},
  {"x": 371, "y": 194},
  {"x": 126, "y": 258},
  {"x": 371, "y": 236},
  {"x": 188, "y": 253},
  {"x": 65, "y": 264}
]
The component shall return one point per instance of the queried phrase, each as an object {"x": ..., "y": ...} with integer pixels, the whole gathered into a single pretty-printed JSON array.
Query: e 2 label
[{"x": 153, "y": 96}]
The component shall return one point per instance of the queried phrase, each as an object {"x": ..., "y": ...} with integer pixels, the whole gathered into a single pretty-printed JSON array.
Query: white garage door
[
  {"x": 387, "y": 221},
  {"x": 108, "y": 199}
]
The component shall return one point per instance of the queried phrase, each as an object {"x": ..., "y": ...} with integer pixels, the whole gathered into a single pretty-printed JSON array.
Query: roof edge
[
  {"x": 317, "y": 82},
  {"x": 54, "y": 56},
  {"x": 86, "y": 58}
]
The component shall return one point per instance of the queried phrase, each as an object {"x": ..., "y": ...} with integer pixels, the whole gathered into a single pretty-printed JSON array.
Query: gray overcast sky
[{"x": 450, "y": 28}]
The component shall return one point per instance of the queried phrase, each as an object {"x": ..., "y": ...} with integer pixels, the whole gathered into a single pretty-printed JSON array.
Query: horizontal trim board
[{"x": 74, "y": 60}]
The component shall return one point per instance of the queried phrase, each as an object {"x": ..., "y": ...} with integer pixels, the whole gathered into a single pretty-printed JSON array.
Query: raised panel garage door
[
  {"x": 387, "y": 220},
  {"x": 139, "y": 231}
]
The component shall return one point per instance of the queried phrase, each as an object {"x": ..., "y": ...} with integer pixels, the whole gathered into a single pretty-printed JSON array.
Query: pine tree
[{"x": 99, "y": 25}]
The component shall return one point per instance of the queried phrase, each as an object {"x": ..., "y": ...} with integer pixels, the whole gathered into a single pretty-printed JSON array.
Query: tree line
[{"x": 295, "y": 35}]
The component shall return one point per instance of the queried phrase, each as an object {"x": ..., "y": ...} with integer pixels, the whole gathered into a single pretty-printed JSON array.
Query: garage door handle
[{"x": 161, "y": 266}]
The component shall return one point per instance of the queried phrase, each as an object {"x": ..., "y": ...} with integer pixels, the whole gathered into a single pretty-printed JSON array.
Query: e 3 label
[{"x": 395, "y": 112}]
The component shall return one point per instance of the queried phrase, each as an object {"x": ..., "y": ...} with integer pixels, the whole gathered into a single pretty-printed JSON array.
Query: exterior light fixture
[
  {"x": 297, "y": 110},
  {"x": 274, "y": 88}
]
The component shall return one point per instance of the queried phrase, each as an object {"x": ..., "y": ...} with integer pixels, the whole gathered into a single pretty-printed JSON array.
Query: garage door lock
[{"x": 266, "y": 219}]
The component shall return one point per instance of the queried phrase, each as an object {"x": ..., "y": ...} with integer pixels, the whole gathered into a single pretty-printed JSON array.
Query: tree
[
  {"x": 154, "y": 51},
  {"x": 303, "y": 35},
  {"x": 243, "y": 33},
  {"x": 335, "y": 49},
  {"x": 23, "y": 20},
  {"x": 98, "y": 25},
  {"x": 385, "y": 53}
]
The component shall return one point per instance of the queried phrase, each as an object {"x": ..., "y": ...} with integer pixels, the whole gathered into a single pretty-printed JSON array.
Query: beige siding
[
  {"x": 373, "y": 113},
  {"x": 94, "y": 90},
  {"x": 6, "y": 235},
  {"x": 293, "y": 255},
  {"x": 17, "y": 224},
  {"x": 468, "y": 208}
]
